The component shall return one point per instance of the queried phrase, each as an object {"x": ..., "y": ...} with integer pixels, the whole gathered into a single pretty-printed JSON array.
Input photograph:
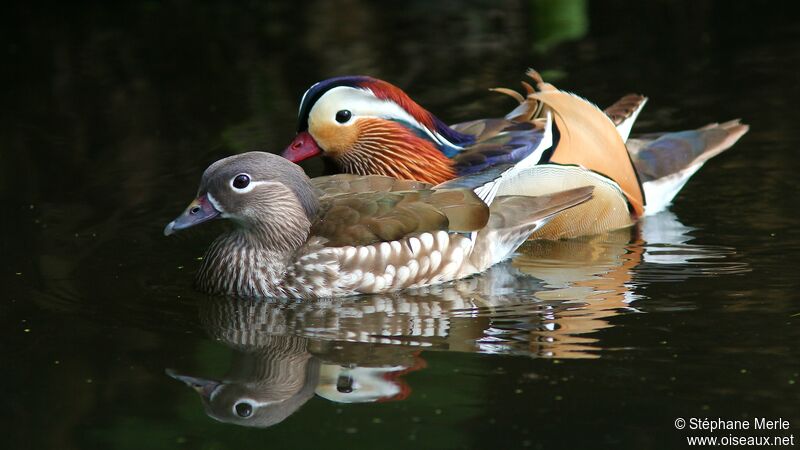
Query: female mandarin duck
[
  {"x": 347, "y": 234},
  {"x": 552, "y": 141}
]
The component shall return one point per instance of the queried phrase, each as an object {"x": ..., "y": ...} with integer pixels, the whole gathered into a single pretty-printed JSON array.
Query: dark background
[{"x": 111, "y": 112}]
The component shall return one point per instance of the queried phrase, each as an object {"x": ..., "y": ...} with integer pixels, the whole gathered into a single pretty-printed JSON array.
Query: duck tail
[
  {"x": 513, "y": 218},
  {"x": 666, "y": 161}
]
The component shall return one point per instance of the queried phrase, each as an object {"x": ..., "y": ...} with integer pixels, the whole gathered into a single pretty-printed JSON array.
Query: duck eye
[
  {"x": 243, "y": 409},
  {"x": 343, "y": 116},
  {"x": 241, "y": 181}
]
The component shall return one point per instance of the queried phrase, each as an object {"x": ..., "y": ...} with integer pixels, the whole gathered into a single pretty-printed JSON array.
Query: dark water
[{"x": 110, "y": 114}]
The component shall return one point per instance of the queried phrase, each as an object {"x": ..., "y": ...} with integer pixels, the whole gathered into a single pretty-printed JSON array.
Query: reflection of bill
[
  {"x": 273, "y": 375},
  {"x": 263, "y": 386},
  {"x": 549, "y": 302}
]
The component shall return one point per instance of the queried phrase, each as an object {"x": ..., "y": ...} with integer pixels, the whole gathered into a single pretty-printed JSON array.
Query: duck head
[
  {"x": 258, "y": 192},
  {"x": 264, "y": 385},
  {"x": 272, "y": 204},
  {"x": 371, "y": 127}
]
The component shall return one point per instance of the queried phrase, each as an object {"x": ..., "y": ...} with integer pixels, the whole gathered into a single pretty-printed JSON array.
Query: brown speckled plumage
[{"x": 302, "y": 239}]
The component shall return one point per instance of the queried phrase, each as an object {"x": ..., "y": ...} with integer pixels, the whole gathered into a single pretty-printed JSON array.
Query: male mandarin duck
[
  {"x": 552, "y": 141},
  {"x": 350, "y": 234}
]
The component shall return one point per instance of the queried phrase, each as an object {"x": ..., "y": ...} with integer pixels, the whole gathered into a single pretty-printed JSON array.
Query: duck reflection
[
  {"x": 550, "y": 301},
  {"x": 274, "y": 372},
  {"x": 263, "y": 387}
]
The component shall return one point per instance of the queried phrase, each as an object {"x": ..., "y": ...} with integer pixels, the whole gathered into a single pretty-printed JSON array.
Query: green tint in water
[{"x": 112, "y": 112}]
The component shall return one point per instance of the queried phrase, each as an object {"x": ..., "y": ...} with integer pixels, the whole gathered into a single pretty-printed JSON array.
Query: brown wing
[
  {"x": 369, "y": 217},
  {"x": 346, "y": 183},
  {"x": 484, "y": 129}
]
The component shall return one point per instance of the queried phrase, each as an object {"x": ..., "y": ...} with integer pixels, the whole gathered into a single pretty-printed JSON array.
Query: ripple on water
[
  {"x": 669, "y": 256},
  {"x": 550, "y": 301}
]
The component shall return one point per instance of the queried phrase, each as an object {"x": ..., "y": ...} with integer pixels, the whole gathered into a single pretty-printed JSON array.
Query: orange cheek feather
[{"x": 334, "y": 139}]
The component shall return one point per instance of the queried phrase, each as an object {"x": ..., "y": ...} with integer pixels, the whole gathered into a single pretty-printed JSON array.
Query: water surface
[{"x": 110, "y": 114}]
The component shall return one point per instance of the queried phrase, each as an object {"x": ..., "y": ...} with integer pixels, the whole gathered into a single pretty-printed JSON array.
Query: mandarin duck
[
  {"x": 264, "y": 385},
  {"x": 350, "y": 234},
  {"x": 552, "y": 141},
  {"x": 274, "y": 369}
]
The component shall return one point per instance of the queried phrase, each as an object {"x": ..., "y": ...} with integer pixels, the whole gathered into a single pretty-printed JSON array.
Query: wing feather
[{"x": 365, "y": 218}]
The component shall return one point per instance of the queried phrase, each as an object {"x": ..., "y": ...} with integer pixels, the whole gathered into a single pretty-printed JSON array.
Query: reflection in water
[
  {"x": 113, "y": 110},
  {"x": 669, "y": 257},
  {"x": 550, "y": 301},
  {"x": 272, "y": 373},
  {"x": 264, "y": 386}
]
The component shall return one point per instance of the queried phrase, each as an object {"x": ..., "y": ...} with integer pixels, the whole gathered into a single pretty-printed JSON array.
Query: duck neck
[{"x": 252, "y": 261}]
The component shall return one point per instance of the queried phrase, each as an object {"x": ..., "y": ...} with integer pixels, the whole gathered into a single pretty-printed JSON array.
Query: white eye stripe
[
  {"x": 254, "y": 403},
  {"x": 251, "y": 186},
  {"x": 362, "y": 102}
]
